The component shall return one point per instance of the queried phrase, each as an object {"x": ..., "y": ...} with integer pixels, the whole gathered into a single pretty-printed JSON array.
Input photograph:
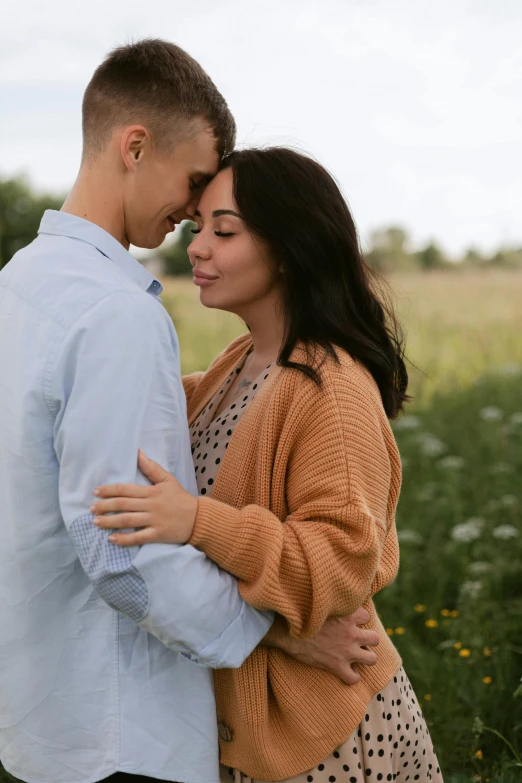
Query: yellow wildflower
[
  {"x": 400, "y": 631},
  {"x": 431, "y": 623},
  {"x": 419, "y": 608},
  {"x": 454, "y": 613},
  {"x": 478, "y": 754},
  {"x": 445, "y": 612},
  {"x": 487, "y": 680},
  {"x": 457, "y": 645},
  {"x": 465, "y": 653},
  {"x": 486, "y": 651},
  {"x": 428, "y": 697},
  {"x": 389, "y": 631}
]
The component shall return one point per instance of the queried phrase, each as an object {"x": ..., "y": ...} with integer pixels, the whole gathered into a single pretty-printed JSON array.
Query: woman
[{"x": 298, "y": 472}]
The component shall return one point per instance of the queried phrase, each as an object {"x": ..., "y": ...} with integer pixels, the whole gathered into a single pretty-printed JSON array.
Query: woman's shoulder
[
  {"x": 341, "y": 378},
  {"x": 342, "y": 413}
]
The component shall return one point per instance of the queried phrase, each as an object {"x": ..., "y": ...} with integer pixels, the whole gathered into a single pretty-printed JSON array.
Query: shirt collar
[{"x": 66, "y": 225}]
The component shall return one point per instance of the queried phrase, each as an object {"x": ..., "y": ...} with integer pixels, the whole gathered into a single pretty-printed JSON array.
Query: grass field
[
  {"x": 458, "y": 326},
  {"x": 455, "y": 611}
]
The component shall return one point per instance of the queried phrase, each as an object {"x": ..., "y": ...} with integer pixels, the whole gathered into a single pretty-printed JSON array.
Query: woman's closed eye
[{"x": 217, "y": 233}]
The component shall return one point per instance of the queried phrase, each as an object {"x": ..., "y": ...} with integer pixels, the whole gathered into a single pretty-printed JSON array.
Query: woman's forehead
[{"x": 218, "y": 193}]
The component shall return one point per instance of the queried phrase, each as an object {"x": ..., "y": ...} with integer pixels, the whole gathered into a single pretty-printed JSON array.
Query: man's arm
[{"x": 114, "y": 387}]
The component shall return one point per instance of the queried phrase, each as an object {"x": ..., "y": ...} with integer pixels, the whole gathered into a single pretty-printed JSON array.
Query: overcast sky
[{"x": 415, "y": 106}]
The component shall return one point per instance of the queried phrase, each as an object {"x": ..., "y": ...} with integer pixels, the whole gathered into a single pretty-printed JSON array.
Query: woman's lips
[{"x": 202, "y": 279}]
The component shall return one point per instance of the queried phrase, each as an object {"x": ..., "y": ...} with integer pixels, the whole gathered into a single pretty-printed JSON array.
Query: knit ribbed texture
[{"x": 303, "y": 513}]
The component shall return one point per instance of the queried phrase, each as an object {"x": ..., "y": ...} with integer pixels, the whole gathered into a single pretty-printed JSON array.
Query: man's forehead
[{"x": 205, "y": 157}]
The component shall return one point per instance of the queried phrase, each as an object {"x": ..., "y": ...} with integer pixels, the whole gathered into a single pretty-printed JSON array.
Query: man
[{"x": 106, "y": 655}]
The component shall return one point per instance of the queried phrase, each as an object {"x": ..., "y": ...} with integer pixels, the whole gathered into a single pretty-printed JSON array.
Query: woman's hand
[{"x": 164, "y": 512}]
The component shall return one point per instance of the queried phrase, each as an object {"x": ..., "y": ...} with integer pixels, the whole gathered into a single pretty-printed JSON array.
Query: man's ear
[{"x": 133, "y": 143}]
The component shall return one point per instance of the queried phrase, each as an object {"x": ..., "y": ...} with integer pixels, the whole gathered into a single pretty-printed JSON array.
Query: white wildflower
[
  {"x": 407, "y": 423},
  {"x": 430, "y": 445},
  {"x": 501, "y": 467},
  {"x": 505, "y": 532},
  {"x": 471, "y": 589},
  {"x": 509, "y": 501},
  {"x": 451, "y": 462},
  {"x": 409, "y": 537},
  {"x": 491, "y": 413},
  {"x": 516, "y": 419},
  {"x": 479, "y": 567},
  {"x": 468, "y": 531}
]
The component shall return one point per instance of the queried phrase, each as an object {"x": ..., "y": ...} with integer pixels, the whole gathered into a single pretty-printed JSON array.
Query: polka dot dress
[
  {"x": 210, "y": 436},
  {"x": 391, "y": 743}
]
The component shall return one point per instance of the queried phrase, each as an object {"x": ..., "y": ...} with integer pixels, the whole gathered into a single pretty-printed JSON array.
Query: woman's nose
[{"x": 198, "y": 249}]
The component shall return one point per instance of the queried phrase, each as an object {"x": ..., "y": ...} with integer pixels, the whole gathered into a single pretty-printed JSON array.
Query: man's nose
[
  {"x": 190, "y": 211},
  {"x": 191, "y": 206}
]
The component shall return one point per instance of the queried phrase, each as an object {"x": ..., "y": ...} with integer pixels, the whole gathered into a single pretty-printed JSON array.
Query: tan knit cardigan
[{"x": 302, "y": 512}]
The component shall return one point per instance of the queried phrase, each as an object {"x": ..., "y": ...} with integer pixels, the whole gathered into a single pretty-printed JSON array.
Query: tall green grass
[{"x": 455, "y": 610}]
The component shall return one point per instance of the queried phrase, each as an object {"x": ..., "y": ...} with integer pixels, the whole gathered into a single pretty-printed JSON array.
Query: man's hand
[{"x": 339, "y": 644}]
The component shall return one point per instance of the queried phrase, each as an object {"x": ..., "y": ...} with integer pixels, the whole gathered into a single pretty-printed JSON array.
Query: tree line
[{"x": 389, "y": 249}]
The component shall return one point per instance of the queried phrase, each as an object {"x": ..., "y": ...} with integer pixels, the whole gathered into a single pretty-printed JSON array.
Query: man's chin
[{"x": 149, "y": 243}]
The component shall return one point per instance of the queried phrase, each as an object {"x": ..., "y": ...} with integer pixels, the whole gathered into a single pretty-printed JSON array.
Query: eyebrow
[{"x": 219, "y": 212}]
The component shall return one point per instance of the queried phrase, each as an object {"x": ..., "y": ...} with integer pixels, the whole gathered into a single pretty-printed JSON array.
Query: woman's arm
[{"x": 342, "y": 486}]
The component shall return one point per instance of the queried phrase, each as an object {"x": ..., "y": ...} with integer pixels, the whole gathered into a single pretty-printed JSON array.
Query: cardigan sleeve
[
  {"x": 190, "y": 384},
  {"x": 342, "y": 483}
]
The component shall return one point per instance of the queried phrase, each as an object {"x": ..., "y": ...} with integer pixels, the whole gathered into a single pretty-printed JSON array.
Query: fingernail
[
  {"x": 96, "y": 521},
  {"x": 92, "y": 509},
  {"x": 96, "y": 492},
  {"x": 112, "y": 539}
]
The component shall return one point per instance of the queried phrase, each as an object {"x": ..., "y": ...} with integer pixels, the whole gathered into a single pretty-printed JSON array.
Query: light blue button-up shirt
[{"x": 104, "y": 652}]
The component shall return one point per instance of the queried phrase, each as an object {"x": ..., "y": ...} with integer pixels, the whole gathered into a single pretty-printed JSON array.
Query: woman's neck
[{"x": 265, "y": 321}]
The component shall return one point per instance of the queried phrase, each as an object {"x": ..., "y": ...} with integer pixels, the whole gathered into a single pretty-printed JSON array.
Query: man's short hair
[{"x": 156, "y": 84}]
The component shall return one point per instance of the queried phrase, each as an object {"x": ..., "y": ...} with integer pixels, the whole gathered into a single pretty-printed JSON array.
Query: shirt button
[{"x": 225, "y": 733}]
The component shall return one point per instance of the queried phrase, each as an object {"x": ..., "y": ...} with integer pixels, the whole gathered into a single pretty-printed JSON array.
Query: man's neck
[{"x": 95, "y": 196}]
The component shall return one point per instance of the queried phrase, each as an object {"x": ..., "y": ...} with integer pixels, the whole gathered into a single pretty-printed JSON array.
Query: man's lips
[{"x": 171, "y": 222}]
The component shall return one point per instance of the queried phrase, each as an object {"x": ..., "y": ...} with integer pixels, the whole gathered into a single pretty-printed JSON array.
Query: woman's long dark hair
[{"x": 331, "y": 296}]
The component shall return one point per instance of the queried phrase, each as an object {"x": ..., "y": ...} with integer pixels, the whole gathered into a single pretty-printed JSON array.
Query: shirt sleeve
[{"x": 114, "y": 386}]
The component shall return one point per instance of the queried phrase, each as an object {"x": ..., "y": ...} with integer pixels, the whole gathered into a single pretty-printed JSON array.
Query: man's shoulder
[{"x": 66, "y": 279}]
